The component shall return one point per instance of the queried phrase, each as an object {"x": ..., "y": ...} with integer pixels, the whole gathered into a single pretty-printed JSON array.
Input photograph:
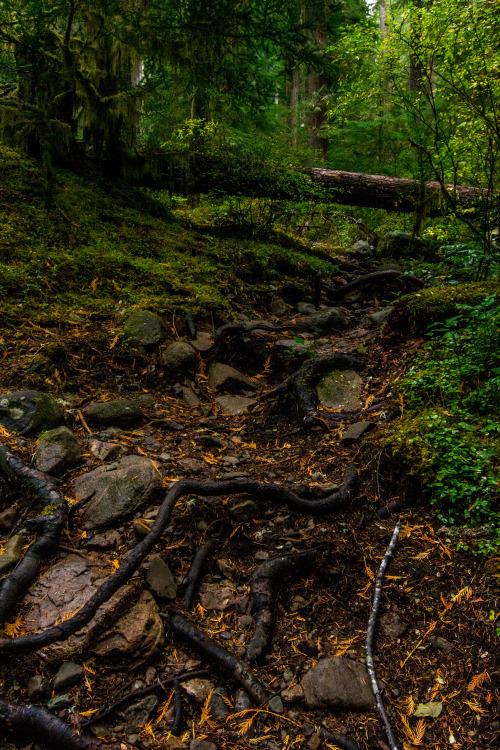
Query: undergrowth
[{"x": 450, "y": 431}]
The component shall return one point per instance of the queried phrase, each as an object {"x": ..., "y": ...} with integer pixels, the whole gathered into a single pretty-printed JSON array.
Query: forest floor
[{"x": 435, "y": 649}]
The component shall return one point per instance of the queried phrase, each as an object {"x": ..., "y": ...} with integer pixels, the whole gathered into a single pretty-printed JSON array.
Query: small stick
[
  {"x": 84, "y": 421},
  {"x": 369, "y": 636}
]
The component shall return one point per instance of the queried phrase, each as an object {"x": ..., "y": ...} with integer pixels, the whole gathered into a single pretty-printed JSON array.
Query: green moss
[{"x": 439, "y": 303}]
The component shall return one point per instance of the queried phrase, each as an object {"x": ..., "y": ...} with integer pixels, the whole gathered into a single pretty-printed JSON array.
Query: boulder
[
  {"x": 57, "y": 451},
  {"x": 381, "y": 316},
  {"x": 361, "y": 249},
  {"x": 143, "y": 328},
  {"x": 340, "y": 390},
  {"x": 403, "y": 245},
  {"x": 340, "y": 684},
  {"x": 29, "y": 412},
  {"x": 180, "y": 357},
  {"x": 121, "y": 629},
  {"x": 120, "y": 413},
  {"x": 226, "y": 378},
  {"x": 116, "y": 490},
  {"x": 328, "y": 319},
  {"x": 235, "y": 404}
]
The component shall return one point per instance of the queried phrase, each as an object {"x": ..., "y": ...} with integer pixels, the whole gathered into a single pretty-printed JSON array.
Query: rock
[
  {"x": 293, "y": 694},
  {"x": 235, "y": 404},
  {"x": 29, "y": 412},
  {"x": 381, "y": 316},
  {"x": 441, "y": 643},
  {"x": 159, "y": 579},
  {"x": 202, "y": 745},
  {"x": 403, "y": 245},
  {"x": 277, "y": 306},
  {"x": 245, "y": 621},
  {"x": 198, "y": 689},
  {"x": 339, "y": 683},
  {"x": 57, "y": 451},
  {"x": 226, "y": 567},
  {"x": 276, "y": 705},
  {"x": 8, "y": 519},
  {"x": 36, "y": 686},
  {"x": 143, "y": 328},
  {"x": 120, "y": 413},
  {"x": 140, "y": 712},
  {"x": 313, "y": 742},
  {"x": 218, "y": 707},
  {"x": 244, "y": 511},
  {"x": 340, "y": 390},
  {"x": 261, "y": 555},
  {"x": 361, "y": 248},
  {"x": 203, "y": 342},
  {"x": 12, "y": 552},
  {"x": 105, "y": 451},
  {"x": 60, "y": 701},
  {"x": 392, "y": 625},
  {"x": 69, "y": 674},
  {"x": 122, "y": 628},
  {"x": 180, "y": 357},
  {"x": 103, "y": 542},
  {"x": 173, "y": 743},
  {"x": 225, "y": 378},
  {"x": 116, "y": 490},
  {"x": 298, "y": 603},
  {"x": 214, "y": 596},
  {"x": 193, "y": 465},
  {"x": 328, "y": 319},
  {"x": 189, "y": 396},
  {"x": 306, "y": 308},
  {"x": 356, "y": 431}
]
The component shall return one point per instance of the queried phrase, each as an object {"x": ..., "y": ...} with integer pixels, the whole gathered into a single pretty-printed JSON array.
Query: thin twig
[{"x": 369, "y": 636}]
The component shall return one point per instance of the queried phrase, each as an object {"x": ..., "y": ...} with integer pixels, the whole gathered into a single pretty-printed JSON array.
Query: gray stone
[
  {"x": 120, "y": 413},
  {"x": 381, "y": 316},
  {"x": 340, "y": 390},
  {"x": 245, "y": 621},
  {"x": 235, "y": 404},
  {"x": 57, "y": 451},
  {"x": 110, "y": 540},
  {"x": 245, "y": 510},
  {"x": 225, "y": 378},
  {"x": 105, "y": 451},
  {"x": 331, "y": 318},
  {"x": 189, "y": 396},
  {"x": 122, "y": 628},
  {"x": 203, "y": 342},
  {"x": 277, "y": 306},
  {"x": 193, "y": 465},
  {"x": 293, "y": 694},
  {"x": 29, "y": 412},
  {"x": 306, "y": 308},
  {"x": 361, "y": 248},
  {"x": 403, "y": 245},
  {"x": 392, "y": 625},
  {"x": 160, "y": 579},
  {"x": 217, "y": 597},
  {"x": 441, "y": 643},
  {"x": 356, "y": 431},
  {"x": 36, "y": 686},
  {"x": 180, "y": 357},
  {"x": 140, "y": 712},
  {"x": 69, "y": 674},
  {"x": 218, "y": 706},
  {"x": 116, "y": 490},
  {"x": 12, "y": 552},
  {"x": 313, "y": 742},
  {"x": 60, "y": 701},
  {"x": 338, "y": 683},
  {"x": 143, "y": 328},
  {"x": 8, "y": 519},
  {"x": 198, "y": 689},
  {"x": 276, "y": 705},
  {"x": 198, "y": 744}
]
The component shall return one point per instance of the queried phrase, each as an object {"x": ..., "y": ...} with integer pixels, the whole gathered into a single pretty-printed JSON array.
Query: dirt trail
[{"x": 435, "y": 649}]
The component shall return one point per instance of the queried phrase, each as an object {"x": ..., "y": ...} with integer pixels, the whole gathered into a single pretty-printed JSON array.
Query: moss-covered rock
[
  {"x": 439, "y": 303},
  {"x": 57, "y": 451},
  {"x": 143, "y": 328},
  {"x": 29, "y": 412}
]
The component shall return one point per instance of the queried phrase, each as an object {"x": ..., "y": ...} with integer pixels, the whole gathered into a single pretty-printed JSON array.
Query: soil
[{"x": 436, "y": 591}]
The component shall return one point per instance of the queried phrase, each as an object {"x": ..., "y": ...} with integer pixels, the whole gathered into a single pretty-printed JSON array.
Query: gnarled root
[
  {"x": 192, "y": 580},
  {"x": 209, "y": 648},
  {"x": 33, "y": 479},
  {"x": 263, "y": 593}
]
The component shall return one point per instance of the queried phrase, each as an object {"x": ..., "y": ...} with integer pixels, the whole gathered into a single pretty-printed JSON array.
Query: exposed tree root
[
  {"x": 337, "y": 293},
  {"x": 192, "y": 580},
  {"x": 15, "y": 585},
  {"x": 177, "y": 725},
  {"x": 263, "y": 593},
  {"x": 369, "y": 636},
  {"x": 36, "y": 725},
  {"x": 258, "y": 490},
  {"x": 160, "y": 686},
  {"x": 341, "y": 740},
  {"x": 209, "y": 648},
  {"x": 302, "y": 386},
  {"x": 35, "y": 480}
]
